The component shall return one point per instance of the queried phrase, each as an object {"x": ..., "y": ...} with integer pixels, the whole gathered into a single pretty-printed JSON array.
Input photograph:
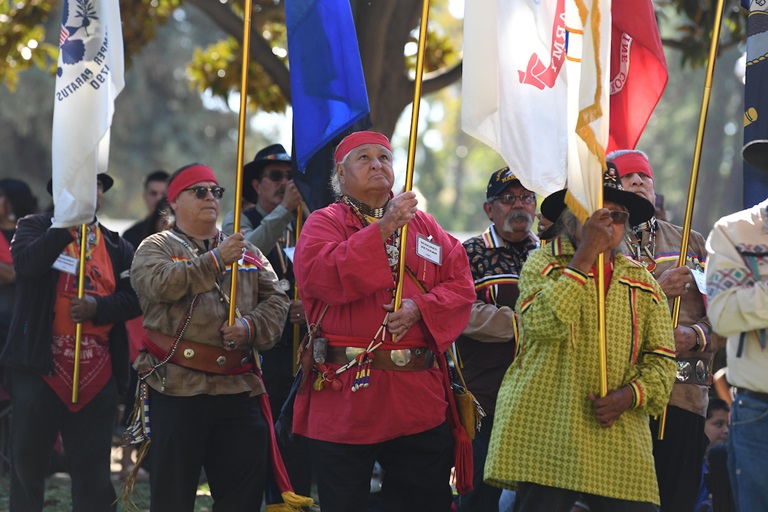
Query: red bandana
[
  {"x": 630, "y": 163},
  {"x": 187, "y": 177},
  {"x": 357, "y": 139}
]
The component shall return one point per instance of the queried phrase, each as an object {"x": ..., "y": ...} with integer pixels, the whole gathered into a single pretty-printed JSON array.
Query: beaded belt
[{"x": 694, "y": 370}]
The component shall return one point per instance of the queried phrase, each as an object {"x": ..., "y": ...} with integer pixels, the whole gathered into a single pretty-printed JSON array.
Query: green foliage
[
  {"x": 689, "y": 25},
  {"x": 218, "y": 68},
  {"x": 21, "y": 39}
]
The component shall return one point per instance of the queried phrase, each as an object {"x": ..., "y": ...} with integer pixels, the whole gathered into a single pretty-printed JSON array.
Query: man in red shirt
[{"x": 390, "y": 406}]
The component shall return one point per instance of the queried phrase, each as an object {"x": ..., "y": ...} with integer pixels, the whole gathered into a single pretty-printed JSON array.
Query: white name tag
[
  {"x": 66, "y": 263},
  {"x": 699, "y": 278},
  {"x": 429, "y": 250}
]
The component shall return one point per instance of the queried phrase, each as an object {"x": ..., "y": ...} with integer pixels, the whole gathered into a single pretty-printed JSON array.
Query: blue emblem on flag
[{"x": 74, "y": 27}]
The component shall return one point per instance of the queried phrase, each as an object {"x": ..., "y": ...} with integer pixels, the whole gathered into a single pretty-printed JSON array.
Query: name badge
[
  {"x": 429, "y": 250},
  {"x": 66, "y": 263},
  {"x": 700, "y": 280}
]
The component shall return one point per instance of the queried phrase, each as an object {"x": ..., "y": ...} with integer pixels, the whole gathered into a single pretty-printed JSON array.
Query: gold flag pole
[
  {"x": 695, "y": 171},
  {"x": 602, "y": 335},
  {"x": 296, "y": 327},
  {"x": 79, "y": 326},
  {"x": 418, "y": 79},
  {"x": 240, "y": 147}
]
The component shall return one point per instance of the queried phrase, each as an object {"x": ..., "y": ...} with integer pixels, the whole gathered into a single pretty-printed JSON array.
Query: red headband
[
  {"x": 630, "y": 163},
  {"x": 189, "y": 176},
  {"x": 357, "y": 139}
]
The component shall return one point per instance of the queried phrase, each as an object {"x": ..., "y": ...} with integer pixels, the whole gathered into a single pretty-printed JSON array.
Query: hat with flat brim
[
  {"x": 105, "y": 179},
  {"x": 639, "y": 208},
  {"x": 253, "y": 170}
]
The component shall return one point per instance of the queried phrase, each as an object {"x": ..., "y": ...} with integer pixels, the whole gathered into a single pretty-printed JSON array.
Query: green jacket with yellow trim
[{"x": 545, "y": 430}]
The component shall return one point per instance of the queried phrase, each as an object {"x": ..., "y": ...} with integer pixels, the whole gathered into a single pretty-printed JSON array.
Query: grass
[{"x": 58, "y": 498}]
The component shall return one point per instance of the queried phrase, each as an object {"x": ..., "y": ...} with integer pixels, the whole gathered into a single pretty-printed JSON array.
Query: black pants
[
  {"x": 540, "y": 498},
  {"x": 225, "y": 434},
  {"x": 416, "y": 468},
  {"x": 679, "y": 457},
  {"x": 38, "y": 416}
]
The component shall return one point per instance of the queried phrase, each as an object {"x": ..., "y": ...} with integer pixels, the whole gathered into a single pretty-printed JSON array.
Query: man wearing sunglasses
[
  {"x": 270, "y": 225},
  {"x": 197, "y": 370},
  {"x": 487, "y": 345},
  {"x": 656, "y": 244}
]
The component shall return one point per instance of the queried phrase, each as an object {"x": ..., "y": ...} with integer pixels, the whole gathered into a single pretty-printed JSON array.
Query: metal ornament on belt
[
  {"x": 695, "y": 371},
  {"x": 284, "y": 284},
  {"x": 400, "y": 357},
  {"x": 353, "y": 352}
]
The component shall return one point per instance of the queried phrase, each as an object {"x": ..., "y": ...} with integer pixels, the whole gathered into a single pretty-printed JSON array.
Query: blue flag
[
  {"x": 755, "y": 150},
  {"x": 328, "y": 91}
]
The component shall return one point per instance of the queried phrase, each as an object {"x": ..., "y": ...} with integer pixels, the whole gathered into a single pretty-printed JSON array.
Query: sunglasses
[
  {"x": 278, "y": 175},
  {"x": 509, "y": 199},
  {"x": 619, "y": 217},
  {"x": 202, "y": 192}
]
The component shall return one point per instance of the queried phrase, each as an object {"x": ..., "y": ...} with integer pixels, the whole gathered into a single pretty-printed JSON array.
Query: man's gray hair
[{"x": 613, "y": 155}]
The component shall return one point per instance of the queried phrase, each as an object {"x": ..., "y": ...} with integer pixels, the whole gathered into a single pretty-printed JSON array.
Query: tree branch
[
  {"x": 441, "y": 78},
  {"x": 261, "y": 51}
]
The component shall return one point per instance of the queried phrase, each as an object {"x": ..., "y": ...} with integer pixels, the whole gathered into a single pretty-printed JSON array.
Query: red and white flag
[
  {"x": 535, "y": 89},
  {"x": 638, "y": 71},
  {"x": 89, "y": 78}
]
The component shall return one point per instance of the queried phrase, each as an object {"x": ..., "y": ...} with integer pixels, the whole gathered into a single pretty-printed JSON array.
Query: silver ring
[
  {"x": 687, "y": 285},
  {"x": 231, "y": 344}
]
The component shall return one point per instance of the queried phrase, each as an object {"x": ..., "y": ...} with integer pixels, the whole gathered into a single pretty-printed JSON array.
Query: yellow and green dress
[{"x": 545, "y": 431}]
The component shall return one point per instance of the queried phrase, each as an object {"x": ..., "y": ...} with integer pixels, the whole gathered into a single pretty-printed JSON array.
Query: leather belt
[
  {"x": 200, "y": 356},
  {"x": 408, "y": 359},
  {"x": 757, "y": 395},
  {"x": 694, "y": 370}
]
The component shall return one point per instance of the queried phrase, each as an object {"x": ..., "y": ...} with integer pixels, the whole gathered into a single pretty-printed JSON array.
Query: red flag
[{"x": 638, "y": 71}]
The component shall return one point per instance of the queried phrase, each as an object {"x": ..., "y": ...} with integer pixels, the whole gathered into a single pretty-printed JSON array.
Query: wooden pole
[{"x": 296, "y": 327}]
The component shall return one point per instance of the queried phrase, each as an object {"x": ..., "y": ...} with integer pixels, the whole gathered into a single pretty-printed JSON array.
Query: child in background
[{"x": 716, "y": 428}]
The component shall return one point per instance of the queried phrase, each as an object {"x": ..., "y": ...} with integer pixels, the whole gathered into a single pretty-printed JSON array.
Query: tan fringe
[{"x": 130, "y": 480}]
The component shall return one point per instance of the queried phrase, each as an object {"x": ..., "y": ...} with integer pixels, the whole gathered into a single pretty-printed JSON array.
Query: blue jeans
[{"x": 748, "y": 453}]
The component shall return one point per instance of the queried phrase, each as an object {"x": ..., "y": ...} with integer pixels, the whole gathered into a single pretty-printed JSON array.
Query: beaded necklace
[
  {"x": 643, "y": 253},
  {"x": 363, "y": 208},
  {"x": 366, "y": 214}
]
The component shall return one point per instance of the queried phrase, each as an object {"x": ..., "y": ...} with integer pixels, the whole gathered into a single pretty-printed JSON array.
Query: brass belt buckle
[{"x": 400, "y": 357}]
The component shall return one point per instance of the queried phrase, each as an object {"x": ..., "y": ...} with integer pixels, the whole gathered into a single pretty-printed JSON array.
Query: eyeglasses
[
  {"x": 278, "y": 175},
  {"x": 619, "y": 216},
  {"x": 508, "y": 199},
  {"x": 202, "y": 192}
]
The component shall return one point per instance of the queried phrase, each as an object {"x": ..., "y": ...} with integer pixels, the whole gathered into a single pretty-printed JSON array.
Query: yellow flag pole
[
  {"x": 241, "y": 147},
  {"x": 695, "y": 171},
  {"x": 79, "y": 326},
  {"x": 418, "y": 79},
  {"x": 602, "y": 335},
  {"x": 296, "y": 327}
]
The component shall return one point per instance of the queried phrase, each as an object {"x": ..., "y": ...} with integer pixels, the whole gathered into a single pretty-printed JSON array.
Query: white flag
[
  {"x": 535, "y": 89},
  {"x": 89, "y": 78}
]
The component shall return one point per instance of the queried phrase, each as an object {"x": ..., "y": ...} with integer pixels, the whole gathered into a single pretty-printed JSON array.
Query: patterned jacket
[
  {"x": 737, "y": 274},
  {"x": 545, "y": 430}
]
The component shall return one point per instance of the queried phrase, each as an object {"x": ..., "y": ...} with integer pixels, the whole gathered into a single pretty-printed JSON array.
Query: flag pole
[
  {"x": 240, "y": 148},
  {"x": 418, "y": 79},
  {"x": 79, "y": 325},
  {"x": 296, "y": 328},
  {"x": 695, "y": 170}
]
